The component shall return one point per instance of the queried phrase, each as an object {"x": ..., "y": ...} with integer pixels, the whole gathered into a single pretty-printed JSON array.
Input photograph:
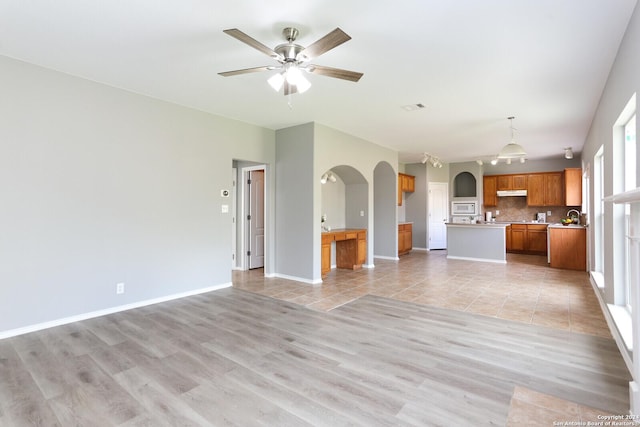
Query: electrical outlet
[
  {"x": 548, "y": 213},
  {"x": 497, "y": 212},
  {"x": 120, "y": 288},
  {"x": 361, "y": 213}
]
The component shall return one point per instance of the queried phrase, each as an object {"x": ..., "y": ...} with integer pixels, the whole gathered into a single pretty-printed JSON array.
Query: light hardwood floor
[{"x": 234, "y": 357}]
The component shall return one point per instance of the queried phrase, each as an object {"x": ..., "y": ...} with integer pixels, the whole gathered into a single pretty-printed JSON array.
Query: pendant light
[{"x": 512, "y": 150}]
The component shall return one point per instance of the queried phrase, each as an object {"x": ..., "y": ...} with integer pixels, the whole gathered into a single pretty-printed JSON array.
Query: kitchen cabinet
[
  {"x": 511, "y": 182},
  {"x": 568, "y": 247},
  {"x": 518, "y": 237},
  {"x": 536, "y": 239},
  {"x": 489, "y": 190},
  {"x": 406, "y": 184},
  {"x": 405, "y": 238},
  {"x": 527, "y": 238},
  {"x": 545, "y": 189},
  {"x": 573, "y": 187}
]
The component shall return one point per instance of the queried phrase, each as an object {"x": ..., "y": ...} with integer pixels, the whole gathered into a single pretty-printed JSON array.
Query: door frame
[{"x": 242, "y": 226}]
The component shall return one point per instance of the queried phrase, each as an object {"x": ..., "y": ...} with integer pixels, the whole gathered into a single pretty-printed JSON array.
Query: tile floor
[{"x": 524, "y": 290}]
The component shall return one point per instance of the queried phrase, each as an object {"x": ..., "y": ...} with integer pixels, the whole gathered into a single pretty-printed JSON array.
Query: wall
[
  {"x": 296, "y": 187},
  {"x": 623, "y": 82},
  {"x": 102, "y": 186},
  {"x": 333, "y": 203},
  {"x": 332, "y": 148},
  {"x": 555, "y": 164},
  {"x": 416, "y": 205}
]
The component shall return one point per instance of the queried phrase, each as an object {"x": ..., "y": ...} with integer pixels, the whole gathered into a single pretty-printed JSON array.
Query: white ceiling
[{"x": 472, "y": 63}]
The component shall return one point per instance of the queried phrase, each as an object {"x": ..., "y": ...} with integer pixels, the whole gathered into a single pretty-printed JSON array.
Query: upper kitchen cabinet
[
  {"x": 511, "y": 182},
  {"x": 545, "y": 189},
  {"x": 573, "y": 187},
  {"x": 406, "y": 184},
  {"x": 489, "y": 190}
]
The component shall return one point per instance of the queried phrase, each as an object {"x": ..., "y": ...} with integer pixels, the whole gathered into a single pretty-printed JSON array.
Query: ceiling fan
[{"x": 294, "y": 59}]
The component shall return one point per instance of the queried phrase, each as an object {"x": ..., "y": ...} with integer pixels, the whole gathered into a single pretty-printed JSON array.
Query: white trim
[
  {"x": 298, "y": 279},
  {"x": 611, "y": 323},
  {"x": 423, "y": 249},
  {"x": 390, "y": 258},
  {"x": 84, "y": 316},
  {"x": 464, "y": 258},
  {"x": 631, "y": 196},
  {"x": 368, "y": 266}
]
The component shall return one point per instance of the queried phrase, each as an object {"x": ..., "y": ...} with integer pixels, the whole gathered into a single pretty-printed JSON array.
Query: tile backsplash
[{"x": 516, "y": 209}]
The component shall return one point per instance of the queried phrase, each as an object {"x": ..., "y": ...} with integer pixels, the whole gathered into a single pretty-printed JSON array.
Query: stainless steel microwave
[{"x": 469, "y": 208}]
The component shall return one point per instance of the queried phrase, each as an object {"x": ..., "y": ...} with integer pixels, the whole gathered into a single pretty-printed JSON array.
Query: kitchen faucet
[{"x": 577, "y": 212}]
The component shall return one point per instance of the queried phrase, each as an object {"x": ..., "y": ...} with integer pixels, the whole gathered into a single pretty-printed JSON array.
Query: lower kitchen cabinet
[
  {"x": 568, "y": 248},
  {"x": 527, "y": 238},
  {"x": 405, "y": 238},
  {"x": 518, "y": 237},
  {"x": 537, "y": 239}
]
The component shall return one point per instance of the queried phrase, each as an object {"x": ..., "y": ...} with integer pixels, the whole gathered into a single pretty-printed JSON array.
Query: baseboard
[
  {"x": 298, "y": 279},
  {"x": 84, "y": 316},
  {"x": 622, "y": 347},
  {"x": 390, "y": 258},
  {"x": 496, "y": 261},
  {"x": 420, "y": 249}
]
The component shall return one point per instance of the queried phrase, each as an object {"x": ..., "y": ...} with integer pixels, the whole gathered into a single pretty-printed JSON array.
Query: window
[
  {"x": 624, "y": 179},
  {"x": 629, "y": 184},
  {"x": 598, "y": 211}
]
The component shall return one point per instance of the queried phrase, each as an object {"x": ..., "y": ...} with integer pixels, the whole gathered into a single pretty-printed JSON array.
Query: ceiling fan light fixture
[
  {"x": 276, "y": 81},
  {"x": 302, "y": 84}
]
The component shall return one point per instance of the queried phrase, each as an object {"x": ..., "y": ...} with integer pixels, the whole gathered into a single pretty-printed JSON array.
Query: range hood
[{"x": 512, "y": 193}]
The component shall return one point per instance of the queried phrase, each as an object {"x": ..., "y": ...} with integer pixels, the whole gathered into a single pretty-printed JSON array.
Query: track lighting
[
  {"x": 435, "y": 162},
  {"x": 328, "y": 176}
]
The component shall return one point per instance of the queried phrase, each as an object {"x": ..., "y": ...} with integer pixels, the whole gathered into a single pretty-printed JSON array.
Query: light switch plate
[{"x": 225, "y": 208}]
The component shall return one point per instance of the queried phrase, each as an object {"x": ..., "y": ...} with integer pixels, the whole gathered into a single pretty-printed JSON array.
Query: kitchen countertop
[
  {"x": 559, "y": 225},
  {"x": 479, "y": 224}
]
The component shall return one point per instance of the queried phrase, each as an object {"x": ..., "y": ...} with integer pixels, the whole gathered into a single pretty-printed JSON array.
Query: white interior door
[
  {"x": 255, "y": 250},
  {"x": 438, "y": 214}
]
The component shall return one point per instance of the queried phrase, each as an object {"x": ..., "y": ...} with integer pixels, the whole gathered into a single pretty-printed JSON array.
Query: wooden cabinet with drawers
[
  {"x": 351, "y": 249},
  {"x": 527, "y": 238}
]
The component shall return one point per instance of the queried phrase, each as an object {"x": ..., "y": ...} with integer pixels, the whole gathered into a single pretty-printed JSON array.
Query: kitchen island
[{"x": 477, "y": 242}]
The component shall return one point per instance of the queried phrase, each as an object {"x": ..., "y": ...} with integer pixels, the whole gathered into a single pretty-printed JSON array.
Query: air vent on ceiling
[{"x": 413, "y": 107}]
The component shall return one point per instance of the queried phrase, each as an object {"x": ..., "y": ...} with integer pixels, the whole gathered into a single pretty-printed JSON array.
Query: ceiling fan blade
[
  {"x": 246, "y": 70},
  {"x": 247, "y": 39},
  {"x": 289, "y": 89},
  {"x": 326, "y": 43},
  {"x": 337, "y": 73}
]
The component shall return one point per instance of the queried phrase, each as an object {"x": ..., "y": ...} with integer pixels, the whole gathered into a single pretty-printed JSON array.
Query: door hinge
[
  {"x": 249, "y": 181},
  {"x": 248, "y": 253},
  {"x": 248, "y": 217}
]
